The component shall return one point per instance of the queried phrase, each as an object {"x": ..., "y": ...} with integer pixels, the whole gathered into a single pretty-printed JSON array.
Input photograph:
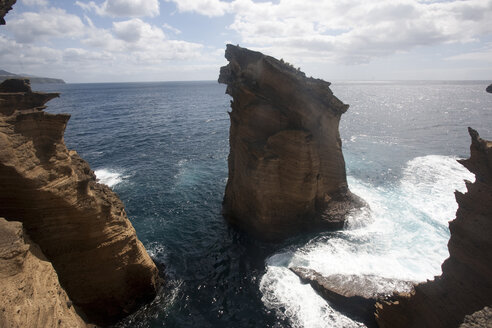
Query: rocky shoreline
[
  {"x": 79, "y": 225},
  {"x": 465, "y": 285},
  {"x": 69, "y": 256}
]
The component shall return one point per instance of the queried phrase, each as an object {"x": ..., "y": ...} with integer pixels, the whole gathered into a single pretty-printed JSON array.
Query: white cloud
[
  {"x": 29, "y": 26},
  {"x": 28, "y": 55},
  {"x": 40, "y": 3},
  {"x": 171, "y": 28},
  {"x": 122, "y": 8},
  {"x": 484, "y": 55},
  {"x": 141, "y": 42},
  {"x": 209, "y": 8},
  {"x": 348, "y": 31}
]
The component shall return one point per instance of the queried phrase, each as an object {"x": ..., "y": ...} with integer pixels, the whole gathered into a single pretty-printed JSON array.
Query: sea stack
[
  {"x": 79, "y": 225},
  {"x": 286, "y": 167},
  {"x": 465, "y": 286},
  {"x": 489, "y": 89}
]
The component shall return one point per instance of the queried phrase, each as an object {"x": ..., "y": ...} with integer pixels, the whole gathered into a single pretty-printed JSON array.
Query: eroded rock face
[
  {"x": 479, "y": 319},
  {"x": 353, "y": 295},
  {"x": 286, "y": 167},
  {"x": 5, "y": 6},
  {"x": 31, "y": 295},
  {"x": 80, "y": 225},
  {"x": 465, "y": 285}
]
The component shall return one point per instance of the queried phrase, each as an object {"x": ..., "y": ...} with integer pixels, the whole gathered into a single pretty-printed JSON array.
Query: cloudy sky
[{"x": 170, "y": 40}]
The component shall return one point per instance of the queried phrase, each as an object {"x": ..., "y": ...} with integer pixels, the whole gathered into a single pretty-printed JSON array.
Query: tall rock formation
[
  {"x": 286, "y": 167},
  {"x": 5, "y": 6},
  {"x": 80, "y": 225},
  {"x": 465, "y": 285}
]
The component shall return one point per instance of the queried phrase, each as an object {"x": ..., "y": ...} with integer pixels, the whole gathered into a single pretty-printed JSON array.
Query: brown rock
[
  {"x": 31, "y": 295},
  {"x": 479, "y": 319},
  {"x": 5, "y": 6},
  {"x": 80, "y": 225},
  {"x": 465, "y": 285},
  {"x": 286, "y": 167},
  {"x": 353, "y": 295}
]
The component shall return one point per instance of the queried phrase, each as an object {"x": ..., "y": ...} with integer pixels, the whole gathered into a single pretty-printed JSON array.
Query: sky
[{"x": 180, "y": 40}]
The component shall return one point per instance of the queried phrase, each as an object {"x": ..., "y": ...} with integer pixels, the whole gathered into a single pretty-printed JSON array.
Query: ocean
[{"x": 162, "y": 147}]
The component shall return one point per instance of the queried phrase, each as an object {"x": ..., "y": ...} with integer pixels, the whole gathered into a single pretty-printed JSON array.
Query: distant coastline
[{"x": 4, "y": 75}]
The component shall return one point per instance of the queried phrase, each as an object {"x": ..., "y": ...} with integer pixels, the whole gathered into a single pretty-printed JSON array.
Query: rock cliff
[
  {"x": 31, "y": 295},
  {"x": 80, "y": 225},
  {"x": 465, "y": 285},
  {"x": 286, "y": 167},
  {"x": 5, "y": 6}
]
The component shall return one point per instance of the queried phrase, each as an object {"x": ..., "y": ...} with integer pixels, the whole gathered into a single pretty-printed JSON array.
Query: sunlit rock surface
[
  {"x": 286, "y": 167},
  {"x": 80, "y": 225},
  {"x": 30, "y": 294},
  {"x": 465, "y": 285},
  {"x": 479, "y": 319}
]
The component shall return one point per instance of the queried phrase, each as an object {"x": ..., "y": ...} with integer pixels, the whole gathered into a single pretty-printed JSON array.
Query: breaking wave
[{"x": 404, "y": 236}]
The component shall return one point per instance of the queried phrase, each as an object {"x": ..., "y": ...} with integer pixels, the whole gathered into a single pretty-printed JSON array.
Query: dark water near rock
[{"x": 163, "y": 148}]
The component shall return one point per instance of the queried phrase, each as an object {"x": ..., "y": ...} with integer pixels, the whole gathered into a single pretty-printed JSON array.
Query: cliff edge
[
  {"x": 80, "y": 225},
  {"x": 286, "y": 167},
  {"x": 465, "y": 285},
  {"x": 5, "y": 7}
]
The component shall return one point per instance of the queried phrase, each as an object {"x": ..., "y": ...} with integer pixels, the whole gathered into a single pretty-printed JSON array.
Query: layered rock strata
[
  {"x": 80, "y": 225},
  {"x": 353, "y": 295},
  {"x": 286, "y": 167},
  {"x": 31, "y": 295},
  {"x": 465, "y": 285},
  {"x": 5, "y": 7}
]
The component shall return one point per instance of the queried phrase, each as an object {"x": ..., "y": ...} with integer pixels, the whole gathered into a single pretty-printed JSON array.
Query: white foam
[
  {"x": 108, "y": 177},
  {"x": 403, "y": 236}
]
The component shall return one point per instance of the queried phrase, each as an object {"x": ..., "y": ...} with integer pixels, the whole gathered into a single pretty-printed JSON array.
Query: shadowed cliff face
[
  {"x": 465, "y": 285},
  {"x": 286, "y": 168},
  {"x": 80, "y": 225},
  {"x": 5, "y": 6}
]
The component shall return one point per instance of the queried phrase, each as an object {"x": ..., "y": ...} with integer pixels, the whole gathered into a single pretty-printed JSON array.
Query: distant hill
[{"x": 4, "y": 75}]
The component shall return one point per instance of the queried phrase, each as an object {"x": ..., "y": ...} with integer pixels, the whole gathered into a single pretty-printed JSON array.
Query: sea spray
[
  {"x": 109, "y": 177},
  {"x": 403, "y": 236}
]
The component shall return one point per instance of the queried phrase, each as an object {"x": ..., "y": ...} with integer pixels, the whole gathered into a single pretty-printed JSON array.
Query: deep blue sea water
[{"x": 163, "y": 148}]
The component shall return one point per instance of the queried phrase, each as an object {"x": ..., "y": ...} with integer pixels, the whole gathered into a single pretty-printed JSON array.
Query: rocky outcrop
[
  {"x": 479, "y": 319},
  {"x": 353, "y": 295},
  {"x": 80, "y": 225},
  {"x": 465, "y": 285},
  {"x": 31, "y": 295},
  {"x": 5, "y": 6},
  {"x": 489, "y": 89},
  {"x": 286, "y": 167}
]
